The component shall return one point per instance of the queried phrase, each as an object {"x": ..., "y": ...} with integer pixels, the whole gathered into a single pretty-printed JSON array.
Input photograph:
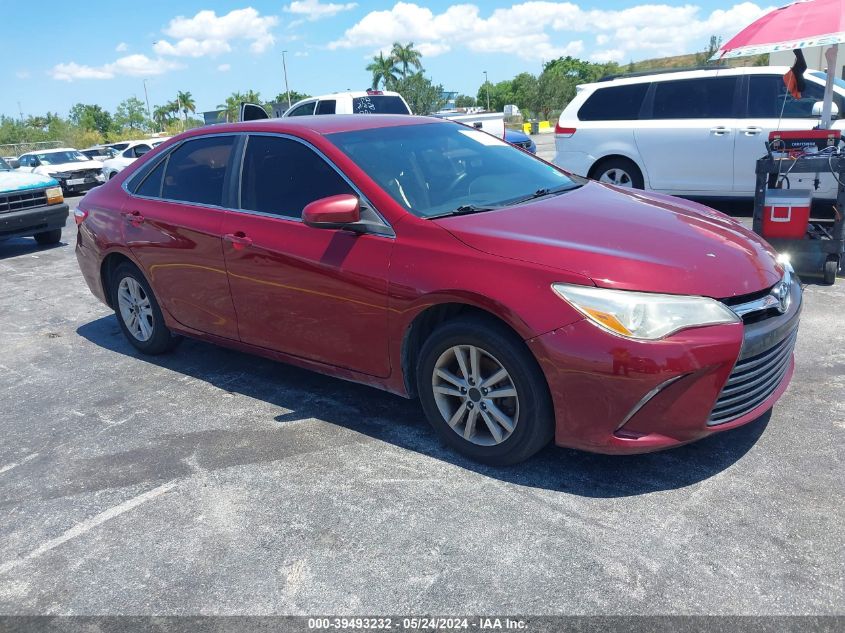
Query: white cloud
[
  {"x": 209, "y": 34},
  {"x": 543, "y": 30},
  {"x": 608, "y": 55},
  {"x": 130, "y": 65},
  {"x": 313, "y": 10},
  {"x": 122, "y": 47},
  {"x": 224, "y": 68}
]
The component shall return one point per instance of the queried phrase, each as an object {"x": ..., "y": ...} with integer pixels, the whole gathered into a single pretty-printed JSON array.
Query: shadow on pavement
[
  {"x": 305, "y": 395},
  {"x": 25, "y": 246}
]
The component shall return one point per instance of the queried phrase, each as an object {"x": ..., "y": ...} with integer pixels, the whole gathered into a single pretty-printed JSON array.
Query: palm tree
[
  {"x": 186, "y": 103},
  {"x": 406, "y": 56},
  {"x": 384, "y": 70},
  {"x": 162, "y": 115},
  {"x": 231, "y": 108}
]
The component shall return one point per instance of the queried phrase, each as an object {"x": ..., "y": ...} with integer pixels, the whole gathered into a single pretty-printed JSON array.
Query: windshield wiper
[
  {"x": 545, "y": 191},
  {"x": 465, "y": 209}
]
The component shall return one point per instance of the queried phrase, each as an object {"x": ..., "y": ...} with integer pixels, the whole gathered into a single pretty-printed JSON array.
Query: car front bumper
[
  {"x": 28, "y": 222},
  {"x": 616, "y": 395}
]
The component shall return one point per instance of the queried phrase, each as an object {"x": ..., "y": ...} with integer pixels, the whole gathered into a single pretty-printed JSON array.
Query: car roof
[
  {"x": 319, "y": 124},
  {"x": 689, "y": 74},
  {"x": 354, "y": 94},
  {"x": 50, "y": 150}
]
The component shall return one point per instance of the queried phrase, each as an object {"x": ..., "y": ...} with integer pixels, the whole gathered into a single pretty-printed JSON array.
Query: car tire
[
  {"x": 831, "y": 267},
  {"x": 48, "y": 238},
  {"x": 618, "y": 171},
  {"x": 138, "y": 312},
  {"x": 499, "y": 353}
]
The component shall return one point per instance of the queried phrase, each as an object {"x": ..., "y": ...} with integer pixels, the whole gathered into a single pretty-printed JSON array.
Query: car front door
[
  {"x": 687, "y": 139},
  {"x": 172, "y": 224},
  {"x": 319, "y": 294},
  {"x": 771, "y": 107}
]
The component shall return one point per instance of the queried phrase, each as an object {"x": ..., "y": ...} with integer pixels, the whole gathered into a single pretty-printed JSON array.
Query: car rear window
[
  {"x": 705, "y": 98},
  {"x": 614, "y": 103},
  {"x": 379, "y": 104}
]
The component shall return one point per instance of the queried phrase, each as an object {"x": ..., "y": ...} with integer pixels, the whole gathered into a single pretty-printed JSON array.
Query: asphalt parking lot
[{"x": 211, "y": 482}]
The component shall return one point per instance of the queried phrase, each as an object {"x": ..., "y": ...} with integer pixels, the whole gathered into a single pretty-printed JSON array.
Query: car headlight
[
  {"x": 54, "y": 195},
  {"x": 642, "y": 315}
]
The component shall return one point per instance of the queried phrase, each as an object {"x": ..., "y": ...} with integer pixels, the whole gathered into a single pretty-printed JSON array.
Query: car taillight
[
  {"x": 79, "y": 215},
  {"x": 565, "y": 132}
]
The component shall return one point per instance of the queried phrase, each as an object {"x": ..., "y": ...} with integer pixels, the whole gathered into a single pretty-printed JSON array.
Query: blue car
[
  {"x": 520, "y": 140},
  {"x": 30, "y": 205}
]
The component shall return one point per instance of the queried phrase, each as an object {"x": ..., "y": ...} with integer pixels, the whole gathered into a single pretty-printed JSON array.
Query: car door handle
[
  {"x": 720, "y": 130},
  {"x": 238, "y": 239},
  {"x": 134, "y": 217},
  {"x": 751, "y": 130}
]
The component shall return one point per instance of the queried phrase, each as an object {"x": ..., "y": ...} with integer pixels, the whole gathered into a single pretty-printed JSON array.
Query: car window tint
[
  {"x": 327, "y": 107},
  {"x": 304, "y": 110},
  {"x": 140, "y": 150},
  {"x": 705, "y": 98},
  {"x": 196, "y": 169},
  {"x": 379, "y": 104},
  {"x": 151, "y": 185},
  {"x": 768, "y": 98},
  {"x": 281, "y": 176},
  {"x": 615, "y": 103}
]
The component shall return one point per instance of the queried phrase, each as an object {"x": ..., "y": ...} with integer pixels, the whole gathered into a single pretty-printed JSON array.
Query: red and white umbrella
[{"x": 802, "y": 24}]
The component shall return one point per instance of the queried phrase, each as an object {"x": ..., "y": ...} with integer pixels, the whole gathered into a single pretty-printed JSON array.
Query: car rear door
[
  {"x": 172, "y": 224},
  {"x": 319, "y": 294},
  {"x": 687, "y": 139}
]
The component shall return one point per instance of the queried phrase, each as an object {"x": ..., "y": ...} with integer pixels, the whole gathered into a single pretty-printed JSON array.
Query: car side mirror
[
  {"x": 817, "y": 109},
  {"x": 334, "y": 212}
]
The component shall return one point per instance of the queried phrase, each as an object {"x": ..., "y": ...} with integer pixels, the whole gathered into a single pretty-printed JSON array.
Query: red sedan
[{"x": 518, "y": 302}]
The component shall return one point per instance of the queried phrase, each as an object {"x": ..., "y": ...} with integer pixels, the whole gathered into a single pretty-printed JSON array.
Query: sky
[{"x": 60, "y": 53}]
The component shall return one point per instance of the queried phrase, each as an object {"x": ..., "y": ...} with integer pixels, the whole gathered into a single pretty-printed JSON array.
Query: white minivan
[{"x": 694, "y": 133}]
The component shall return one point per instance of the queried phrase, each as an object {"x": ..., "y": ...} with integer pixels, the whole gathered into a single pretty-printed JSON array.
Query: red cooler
[{"x": 786, "y": 213}]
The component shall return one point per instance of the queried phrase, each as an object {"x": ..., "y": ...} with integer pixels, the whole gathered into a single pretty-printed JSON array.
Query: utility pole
[
  {"x": 285, "y": 68},
  {"x": 147, "y": 97},
  {"x": 20, "y": 111},
  {"x": 487, "y": 88}
]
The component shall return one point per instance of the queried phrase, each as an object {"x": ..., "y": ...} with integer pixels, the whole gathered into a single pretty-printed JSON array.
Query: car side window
[
  {"x": 140, "y": 150},
  {"x": 305, "y": 109},
  {"x": 24, "y": 161},
  {"x": 129, "y": 153},
  {"x": 196, "y": 170},
  {"x": 281, "y": 176},
  {"x": 768, "y": 98},
  {"x": 329, "y": 106},
  {"x": 703, "y": 98},
  {"x": 614, "y": 103},
  {"x": 151, "y": 185}
]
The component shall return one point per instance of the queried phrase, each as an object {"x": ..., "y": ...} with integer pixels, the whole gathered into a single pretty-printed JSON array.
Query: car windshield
[
  {"x": 57, "y": 158},
  {"x": 439, "y": 169},
  {"x": 4, "y": 166}
]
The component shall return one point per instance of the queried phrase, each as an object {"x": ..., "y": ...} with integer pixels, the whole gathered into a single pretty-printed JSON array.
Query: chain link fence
[{"x": 16, "y": 149}]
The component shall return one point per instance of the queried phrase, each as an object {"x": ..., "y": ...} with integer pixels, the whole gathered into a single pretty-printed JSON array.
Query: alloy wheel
[
  {"x": 476, "y": 395},
  {"x": 135, "y": 309},
  {"x": 618, "y": 177}
]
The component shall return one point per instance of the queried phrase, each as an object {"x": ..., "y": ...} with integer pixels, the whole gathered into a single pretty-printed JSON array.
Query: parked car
[
  {"x": 352, "y": 102},
  {"x": 11, "y": 161},
  {"x": 519, "y": 303},
  {"x": 520, "y": 139},
  {"x": 74, "y": 171},
  {"x": 99, "y": 152},
  {"x": 30, "y": 205},
  {"x": 132, "y": 151},
  {"x": 693, "y": 133}
]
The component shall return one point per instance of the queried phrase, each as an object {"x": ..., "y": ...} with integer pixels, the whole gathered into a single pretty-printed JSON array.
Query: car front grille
[
  {"x": 20, "y": 200},
  {"x": 753, "y": 380},
  {"x": 82, "y": 173}
]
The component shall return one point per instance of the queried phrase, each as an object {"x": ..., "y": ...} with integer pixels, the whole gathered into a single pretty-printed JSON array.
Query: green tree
[
  {"x": 384, "y": 71},
  {"x": 231, "y": 107},
  {"x": 423, "y": 96},
  {"x": 91, "y": 117},
  {"x": 131, "y": 113},
  {"x": 295, "y": 96},
  {"x": 406, "y": 57},
  {"x": 163, "y": 115},
  {"x": 186, "y": 104},
  {"x": 464, "y": 101},
  {"x": 703, "y": 58},
  {"x": 526, "y": 92},
  {"x": 501, "y": 94}
]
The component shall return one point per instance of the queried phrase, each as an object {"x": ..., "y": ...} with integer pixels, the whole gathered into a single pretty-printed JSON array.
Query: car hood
[
  {"x": 76, "y": 165},
  {"x": 627, "y": 240},
  {"x": 20, "y": 181}
]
